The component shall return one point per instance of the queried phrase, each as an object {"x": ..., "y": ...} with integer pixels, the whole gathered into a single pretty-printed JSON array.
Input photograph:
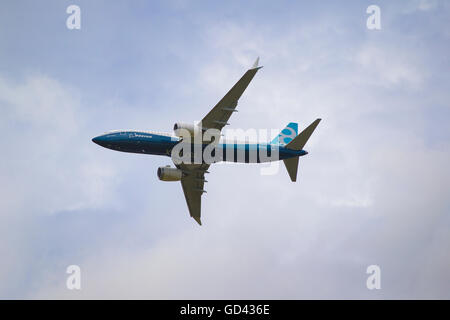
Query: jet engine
[
  {"x": 169, "y": 174},
  {"x": 179, "y": 127}
]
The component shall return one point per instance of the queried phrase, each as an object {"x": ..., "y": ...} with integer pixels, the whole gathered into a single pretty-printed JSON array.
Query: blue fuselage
[{"x": 162, "y": 144}]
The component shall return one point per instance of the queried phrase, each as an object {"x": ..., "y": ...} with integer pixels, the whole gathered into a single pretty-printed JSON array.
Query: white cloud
[
  {"x": 48, "y": 152},
  {"x": 419, "y": 5},
  {"x": 46, "y": 167},
  {"x": 371, "y": 191},
  {"x": 389, "y": 66},
  {"x": 368, "y": 193}
]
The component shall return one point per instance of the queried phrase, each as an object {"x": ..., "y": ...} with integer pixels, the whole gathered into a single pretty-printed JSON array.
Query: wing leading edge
[{"x": 218, "y": 117}]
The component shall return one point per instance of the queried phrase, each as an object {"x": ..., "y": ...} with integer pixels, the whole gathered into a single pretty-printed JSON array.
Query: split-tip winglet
[{"x": 256, "y": 64}]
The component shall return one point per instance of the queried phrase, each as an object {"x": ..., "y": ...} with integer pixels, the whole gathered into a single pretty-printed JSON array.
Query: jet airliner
[{"x": 287, "y": 146}]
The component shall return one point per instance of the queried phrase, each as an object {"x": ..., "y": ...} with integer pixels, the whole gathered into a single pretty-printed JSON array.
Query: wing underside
[{"x": 193, "y": 187}]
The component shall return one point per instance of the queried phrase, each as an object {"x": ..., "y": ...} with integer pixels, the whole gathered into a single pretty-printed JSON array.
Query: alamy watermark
[
  {"x": 74, "y": 20},
  {"x": 73, "y": 281},
  {"x": 374, "y": 20},
  {"x": 374, "y": 280},
  {"x": 198, "y": 146}
]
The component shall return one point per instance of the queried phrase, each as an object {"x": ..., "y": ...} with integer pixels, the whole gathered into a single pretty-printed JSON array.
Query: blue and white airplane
[{"x": 287, "y": 146}]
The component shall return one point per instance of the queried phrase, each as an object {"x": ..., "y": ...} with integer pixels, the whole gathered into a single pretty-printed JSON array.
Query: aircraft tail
[{"x": 297, "y": 144}]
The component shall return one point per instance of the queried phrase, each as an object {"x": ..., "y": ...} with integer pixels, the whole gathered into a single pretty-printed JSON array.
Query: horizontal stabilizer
[
  {"x": 292, "y": 167},
  {"x": 299, "y": 141}
]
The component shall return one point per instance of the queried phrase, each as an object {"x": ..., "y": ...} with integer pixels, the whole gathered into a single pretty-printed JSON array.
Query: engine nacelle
[
  {"x": 169, "y": 174},
  {"x": 179, "y": 127}
]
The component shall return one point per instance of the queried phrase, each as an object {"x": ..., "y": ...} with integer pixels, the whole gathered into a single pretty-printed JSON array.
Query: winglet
[
  {"x": 197, "y": 219},
  {"x": 256, "y": 64}
]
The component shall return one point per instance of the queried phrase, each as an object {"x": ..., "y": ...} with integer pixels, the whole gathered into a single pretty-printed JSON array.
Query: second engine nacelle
[
  {"x": 179, "y": 127},
  {"x": 169, "y": 174}
]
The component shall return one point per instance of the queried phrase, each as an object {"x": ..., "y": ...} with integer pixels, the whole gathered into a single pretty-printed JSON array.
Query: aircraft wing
[
  {"x": 217, "y": 118},
  {"x": 192, "y": 184},
  {"x": 194, "y": 174}
]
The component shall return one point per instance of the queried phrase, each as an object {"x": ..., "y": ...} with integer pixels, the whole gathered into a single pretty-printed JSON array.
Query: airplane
[{"x": 286, "y": 146}]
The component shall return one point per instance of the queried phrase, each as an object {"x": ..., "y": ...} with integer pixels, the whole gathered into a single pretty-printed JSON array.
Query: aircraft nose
[{"x": 100, "y": 140}]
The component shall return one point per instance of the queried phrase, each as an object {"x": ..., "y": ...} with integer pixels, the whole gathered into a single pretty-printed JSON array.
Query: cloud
[
  {"x": 357, "y": 204},
  {"x": 46, "y": 168},
  {"x": 292, "y": 245},
  {"x": 419, "y": 5},
  {"x": 371, "y": 190},
  {"x": 46, "y": 124},
  {"x": 389, "y": 66}
]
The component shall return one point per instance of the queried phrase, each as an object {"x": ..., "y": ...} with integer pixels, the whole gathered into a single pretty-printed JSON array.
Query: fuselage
[{"x": 157, "y": 143}]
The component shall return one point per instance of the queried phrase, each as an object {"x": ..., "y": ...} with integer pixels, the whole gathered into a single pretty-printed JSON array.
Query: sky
[{"x": 373, "y": 189}]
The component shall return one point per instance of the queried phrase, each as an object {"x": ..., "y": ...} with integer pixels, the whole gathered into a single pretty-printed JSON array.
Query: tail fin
[
  {"x": 297, "y": 144},
  {"x": 286, "y": 135}
]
